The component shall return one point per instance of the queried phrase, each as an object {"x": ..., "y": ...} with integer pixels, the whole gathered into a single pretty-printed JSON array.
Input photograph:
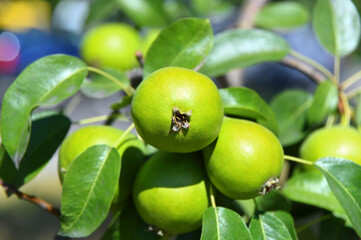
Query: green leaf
[
  {"x": 287, "y": 220},
  {"x": 245, "y": 103},
  {"x": 337, "y": 25},
  {"x": 7, "y": 167},
  {"x": 211, "y": 7},
  {"x": 129, "y": 226},
  {"x": 290, "y": 107},
  {"x": 100, "y": 10},
  {"x": 47, "y": 81},
  {"x": 184, "y": 43},
  {"x": 221, "y": 224},
  {"x": 344, "y": 176},
  {"x": 242, "y": 48},
  {"x": 99, "y": 86},
  {"x": 282, "y": 15},
  {"x": 248, "y": 206},
  {"x": 324, "y": 103},
  {"x": 310, "y": 187},
  {"x": 267, "y": 226},
  {"x": 47, "y": 132},
  {"x": 46, "y": 135},
  {"x": 88, "y": 190},
  {"x": 149, "y": 13}
]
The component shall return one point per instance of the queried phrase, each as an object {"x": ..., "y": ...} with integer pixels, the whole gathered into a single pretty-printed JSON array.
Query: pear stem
[
  {"x": 92, "y": 119},
  {"x": 128, "y": 90},
  {"x": 299, "y": 160},
  {"x": 119, "y": 142},
  {"x": 345, "y": 110},
  {"x": 211, "y": 196}
]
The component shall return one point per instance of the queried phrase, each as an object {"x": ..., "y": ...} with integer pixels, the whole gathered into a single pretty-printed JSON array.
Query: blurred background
[{"x": 32, "y": 29}]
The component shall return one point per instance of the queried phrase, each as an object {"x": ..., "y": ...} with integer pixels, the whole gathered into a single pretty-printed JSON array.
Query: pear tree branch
[{"x": 34, "y": 200}]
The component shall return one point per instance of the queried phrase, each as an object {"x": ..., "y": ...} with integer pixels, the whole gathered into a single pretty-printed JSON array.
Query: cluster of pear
[{"x": 179, "y": 112}]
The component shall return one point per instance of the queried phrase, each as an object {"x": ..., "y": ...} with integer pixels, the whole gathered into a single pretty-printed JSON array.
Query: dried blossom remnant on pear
[
  {"x": 269, "y": 185},
  {"x": 180, "y": 120}
]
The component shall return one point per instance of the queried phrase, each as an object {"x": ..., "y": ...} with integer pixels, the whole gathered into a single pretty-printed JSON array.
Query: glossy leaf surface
[
  {"x": 245, "y": 103},
  {"x": 311, "y": 187},
  {"x": 221, "y": 224},
  {"x": 243, "y": 48},
  {"x": 144, "y": 12},
  {"x": 337, "y": 25},
  {"x": 184, "y": 43},
  {"x": 99, "y": 86},
  {"x": 344, "y": 176},
  {"x": 287, "y": 219},
  {"x": 88, "y": 190},
  {"x": 47, "y": 81},
  {"x": 47, "y": 133},
  {"x": 267, "y": 226},
  {"x": 290, "y": 107},
  {"x": 324, "y": 103},
  {"x": 100, "y": 10}
]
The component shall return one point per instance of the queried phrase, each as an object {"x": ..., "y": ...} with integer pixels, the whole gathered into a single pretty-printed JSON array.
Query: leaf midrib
[
  {"x": 192, "y": 40},
  {"x": 344, "y": 189},
  {"x": 58, "y": 84},
  {"x": 91, "y": 190},
  {"x": 294, "y": 116},
  {"x": 217, "y": 223}
]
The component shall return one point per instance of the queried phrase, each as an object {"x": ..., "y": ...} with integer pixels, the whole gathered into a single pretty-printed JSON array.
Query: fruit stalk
[
  {"x": 120, "y": 140},
  {"x": 344, "y": 109},
  {"x": 128, "y": 90},
  {"x": 211, "y": 196},
  {"x": 140, "y": 59},
  {"x": 299, "y": 160},
  {"x": 92, "y": 120}
]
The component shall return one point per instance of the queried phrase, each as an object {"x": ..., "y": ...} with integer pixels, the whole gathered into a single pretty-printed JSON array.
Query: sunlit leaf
[
  {"x": 144, "y": 12},
  {"x": 99, "y": 86},
  {"x": 243, "y": 48},
  {"x": 282, "y": 15},
  {"x": 221, "y": 224},
  {"x": 337, "y": 25},
  {"x": 344, "y": 176},
  {"x": 88, "y": 190},
  {"x": 290, "y": 107},
  {"x": 184, "y": 43},
  {"x": 311, "y": 187},
  {"x": 324, "y": 103},
  {"x": 245, "y": 103},
  {"x": 47, "y": 81},
  {"x": 265, "y": 226}
]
